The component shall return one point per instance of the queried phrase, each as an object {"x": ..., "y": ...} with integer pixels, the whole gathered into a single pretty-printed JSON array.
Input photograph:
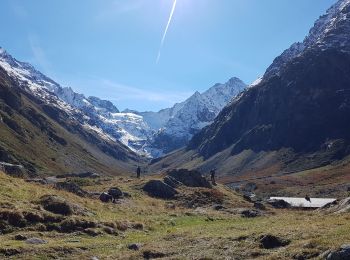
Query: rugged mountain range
[
  {"x": 175, "y": 126},
  {"x": 148, "y": 134},
  {"x": 46, "y": 134},
  {"x": 296, "y": 117}
]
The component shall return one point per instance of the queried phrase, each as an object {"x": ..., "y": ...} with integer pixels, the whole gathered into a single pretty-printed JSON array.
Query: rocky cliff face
[
  {"x": 302, "y": 100},
  {"x": 297, "y": 114}
]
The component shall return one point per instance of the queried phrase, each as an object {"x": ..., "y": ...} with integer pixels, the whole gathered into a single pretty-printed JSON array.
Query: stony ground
[{"x": 199, "y": 223}]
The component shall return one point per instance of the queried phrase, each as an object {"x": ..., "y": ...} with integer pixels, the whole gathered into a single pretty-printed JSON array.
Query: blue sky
[{"x": 109, "y": 48}]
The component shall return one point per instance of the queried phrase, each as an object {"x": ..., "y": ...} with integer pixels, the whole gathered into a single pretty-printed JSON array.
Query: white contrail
[{"x": 166, "y": 30}]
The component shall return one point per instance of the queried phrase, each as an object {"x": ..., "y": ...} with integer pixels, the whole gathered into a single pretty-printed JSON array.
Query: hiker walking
[
  {"x": 307, "y": 197},
  {"x": 212, "y": 176},
  {"x": 138, "y": 172}
]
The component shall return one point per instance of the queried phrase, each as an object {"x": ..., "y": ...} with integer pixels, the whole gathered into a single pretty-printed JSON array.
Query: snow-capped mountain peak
[
  {"x": 329, "y": 31},
  {"x": 141, "y": 132},
  {"x": 198, "y": 111}
]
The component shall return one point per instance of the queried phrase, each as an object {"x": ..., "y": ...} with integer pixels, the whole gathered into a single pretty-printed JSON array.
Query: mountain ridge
[
  {"x": 294, "y": 118},
  {"x": 140, "y": 131}
]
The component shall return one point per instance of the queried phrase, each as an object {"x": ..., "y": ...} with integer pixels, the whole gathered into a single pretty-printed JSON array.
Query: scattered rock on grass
[
  {"x": 279, "y": 204},
  {"x": 259, "y": 205},
  {"x": 72, "y": 225},
  {"x": 9, "y": 251},
  {"x": 105, "y": 197},
  {"x": 270, "y": 242},
  {"x": 218, "y": 207},
  {"x": 92, "y": 232},
  {"x": 56, "y": 204},
  {"x": 116, "y": 193},
  {"x": 20, "y": 237},
  {"x": 110, "y": 231},
  {"x": 122, "y": 226},
  {"x": 35, "y": 241},
  {"x": 341, "y": 254},
  {"x": 153, "y": 254},
  {"x": 33, "y": 217},
  {"x": 137, "y": 226},
  {"x": 71, "y": 187},
  {"x": 134, "y": 246},
  {"x": 250, "y": 213}
]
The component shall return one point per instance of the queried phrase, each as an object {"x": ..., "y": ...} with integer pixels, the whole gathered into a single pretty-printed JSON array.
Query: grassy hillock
[{"x": 158, "y": 228}]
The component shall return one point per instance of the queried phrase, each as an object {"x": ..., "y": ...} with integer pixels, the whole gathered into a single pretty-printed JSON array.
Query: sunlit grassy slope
[{"x": 174, "y": 231}]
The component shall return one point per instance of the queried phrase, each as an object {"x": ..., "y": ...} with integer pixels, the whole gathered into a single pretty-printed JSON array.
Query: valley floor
[{"x": 157, "y": 228}]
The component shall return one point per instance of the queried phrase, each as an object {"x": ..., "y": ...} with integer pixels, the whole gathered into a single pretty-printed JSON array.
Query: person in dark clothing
[
  {"x": 307, "y": 197},
  {"x": 138, "y": 172},
  {"x": 212, "y": 176}
]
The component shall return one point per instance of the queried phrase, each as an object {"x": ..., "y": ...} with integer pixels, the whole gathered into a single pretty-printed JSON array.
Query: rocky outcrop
[
  {"x": 338, "y": 207},
  {"x": 71, "y": 187},
  {"x": 159, "y": 189},
  {"x": 342, "y": 253},
  {"x": 190, "y": 178}
]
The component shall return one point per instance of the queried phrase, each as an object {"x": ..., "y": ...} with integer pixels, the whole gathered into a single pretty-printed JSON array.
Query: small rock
[
  {"x": 152, "y": 254},
  {"x": 35, "y": 241},
  {"x": 126, "y": 194},
  {"x": 92, "y": 232},
  {"x": 116, "y": 193},
  {"x": 105, "y": 197},
  {"x": 279, "y": 204},
  {"x": 110, "y": 231},
  {"x": 122, "y": 226},
  {"x": 9, "y": 251},
  {"x": 249, "y": 187},
  {"x": 259, "y": 205},
  {"x": 71, "y": 187},
  {"x": 342, "y": 253},
  {"x": 251, "y": 197},
  {"x": 134, "y": 246},
  {"x": 170, "y": 206},
  {"x": 20, "y": 237},
  {"x": 137, "y": 226},
  {"x": 250, "y": 213},
  {"x": 270, "y": 242},
  {"x": 218, "y": 207}
]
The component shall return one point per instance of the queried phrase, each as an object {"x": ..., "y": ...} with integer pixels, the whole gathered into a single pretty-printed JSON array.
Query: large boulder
[
  {"x": 71, "y": 187},
  {"x": 159, "y": 189},
  {"x": 116, "y": 193},
  {"x": 56, "y": 204},
  {"x": 105, "y": 197},
  {"x": 190, "y": 178},
  {"x": 61, "y": 206},
  {"x": 342, "y": 206},
  {"x": 172, "y": 181},
  {"x": 341, "y": 254}
]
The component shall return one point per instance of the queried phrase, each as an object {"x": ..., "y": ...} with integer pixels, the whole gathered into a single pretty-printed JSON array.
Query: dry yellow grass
[{"x": 178, "y": 233}]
